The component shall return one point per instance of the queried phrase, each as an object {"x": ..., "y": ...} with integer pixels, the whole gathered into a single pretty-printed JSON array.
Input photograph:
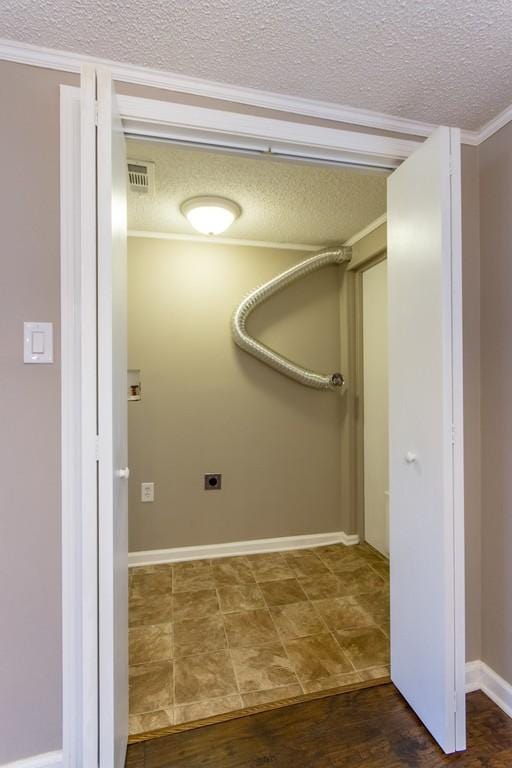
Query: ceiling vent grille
[{"x": 141, "y": 176}]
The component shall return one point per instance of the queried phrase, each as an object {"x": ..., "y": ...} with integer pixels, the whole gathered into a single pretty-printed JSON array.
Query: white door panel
[
  {"x": 426, "y": 537},
  {"x": 112, "y": 425}
]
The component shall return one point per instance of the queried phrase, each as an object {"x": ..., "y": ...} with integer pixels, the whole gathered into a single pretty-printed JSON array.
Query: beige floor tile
[
  {"x": 359, "y": 580},
  {"x": 150, "y": 687},
  {"x": 194, "y": 636},
  {"x": 321, "y": 586},
  {"x": 376, "y": 605},
  {"x": 297, "y": 620},
  {"x": 193, "y": 579},
  {"x": 317, "y": 657},
  {"x": 186, "y": 566},
  {"x": 240, "y": 597},
  {"x": 382, "y": 568},
  {"x": 269, "y": 567},
  {"x": 149, "y": 584},
  {"x": 160, "y": 568},
  {"x": 257, "y": 669},
  {"x": 256, "y": 698},
  {"x": 334, "y": 681},
  {"x": 150, "y": 643},
  {"x": 337, "y": 555},
  {"x": 207, "y": 676},
  {"x": 305, "y": 563},
  {"x": 151, "y": 608},
  {"x": 249, "y": 628},
  {"x": 195, "y": 604},
  {"x": 375, "y": 672},
  {"x": 232, "y": 570},
  {"x": 343, "y": 613},
  {"x": 185, "y": 713},
  {"x": 151, "y": 721},
  {"x": 366, "y": 647},
  {"x": 283, "y": 592}
]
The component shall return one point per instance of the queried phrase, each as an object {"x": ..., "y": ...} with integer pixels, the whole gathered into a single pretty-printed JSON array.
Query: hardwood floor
[{"x": 372, "y": 728}]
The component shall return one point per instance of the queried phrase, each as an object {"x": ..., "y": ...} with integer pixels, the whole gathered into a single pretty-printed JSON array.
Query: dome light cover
[{"x": 210, "y": 215}]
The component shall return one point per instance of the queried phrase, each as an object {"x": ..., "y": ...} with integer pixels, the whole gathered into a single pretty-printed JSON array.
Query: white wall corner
[
  {"x": 237, "y": 548},
  {"x": 46, "y": 760},
  {"x": 480, "y": 677}
]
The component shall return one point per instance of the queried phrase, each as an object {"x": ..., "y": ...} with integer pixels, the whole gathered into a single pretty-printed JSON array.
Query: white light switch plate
[{"x": 38, "y": 342}]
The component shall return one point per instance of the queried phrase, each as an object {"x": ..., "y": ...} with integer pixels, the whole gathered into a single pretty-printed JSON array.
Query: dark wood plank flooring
[{"x": 372, "y": 728}]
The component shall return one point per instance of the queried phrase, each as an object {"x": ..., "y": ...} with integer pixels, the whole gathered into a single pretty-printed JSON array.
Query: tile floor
[{"x": 214, "y": 636}]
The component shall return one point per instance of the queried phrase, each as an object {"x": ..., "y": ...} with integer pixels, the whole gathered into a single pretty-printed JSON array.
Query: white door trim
[{"x": 78, "y": 285}]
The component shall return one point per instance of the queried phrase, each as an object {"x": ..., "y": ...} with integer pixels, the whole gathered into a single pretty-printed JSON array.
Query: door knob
[
  {"x": 410, "y": 457},
  {"x": 123, "y": 473}
]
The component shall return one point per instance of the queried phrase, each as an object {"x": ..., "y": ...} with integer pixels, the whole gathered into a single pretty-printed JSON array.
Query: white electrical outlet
[{"x": 147, "y": 491}]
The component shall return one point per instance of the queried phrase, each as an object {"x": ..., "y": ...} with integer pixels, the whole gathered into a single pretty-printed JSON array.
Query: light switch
[{"x": 38, "y": 342}]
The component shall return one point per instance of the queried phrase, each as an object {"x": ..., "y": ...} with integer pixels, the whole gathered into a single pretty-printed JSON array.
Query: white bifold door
[
  {"x": 111, "y": 411},
  {"x": 425, "y": 436}
]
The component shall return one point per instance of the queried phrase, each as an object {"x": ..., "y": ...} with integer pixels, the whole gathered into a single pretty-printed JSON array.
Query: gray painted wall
[
  {"x": 496, "y": 247},
  {"x": 30, "y": 574},
  {"x": 209, "y": 407}
]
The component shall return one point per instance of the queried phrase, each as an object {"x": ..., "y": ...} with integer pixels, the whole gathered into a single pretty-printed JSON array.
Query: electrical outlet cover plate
[{"x": 147, "y": 492}]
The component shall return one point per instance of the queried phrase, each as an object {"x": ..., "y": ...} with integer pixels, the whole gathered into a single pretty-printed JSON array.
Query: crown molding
[
  {"x": 67, "y": 61},
  {"x": 375, "y": 224},
  {"x": 494, "y": 125},
  {"x": 213, "y": 240}
]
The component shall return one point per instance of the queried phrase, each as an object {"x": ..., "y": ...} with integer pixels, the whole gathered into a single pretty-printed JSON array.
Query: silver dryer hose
[{"x": 255, "y": 348}]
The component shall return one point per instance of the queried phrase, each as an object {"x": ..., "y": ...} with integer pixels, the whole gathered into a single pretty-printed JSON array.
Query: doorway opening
[
  {"x": 262, "y": 593},
  {"x": 425, "y": 365}
]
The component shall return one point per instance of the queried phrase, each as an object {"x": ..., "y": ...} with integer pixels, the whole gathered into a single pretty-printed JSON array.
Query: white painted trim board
[
  {"x": 67, "y": 61},
  {"x": 46, "y": 760},
  {"x": 480, "y": 677},
  {"x": 236, "y": 548}
]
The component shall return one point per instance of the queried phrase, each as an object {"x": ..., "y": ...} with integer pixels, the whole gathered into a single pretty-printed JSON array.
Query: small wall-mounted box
[{"x": 134, "y": 385}]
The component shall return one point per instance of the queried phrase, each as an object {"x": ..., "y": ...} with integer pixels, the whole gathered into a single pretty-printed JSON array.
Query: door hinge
[
  {"x": 453, "y": 434},
  {"x": 96, "y": 113},
  {"x": 97, "y": 447}
]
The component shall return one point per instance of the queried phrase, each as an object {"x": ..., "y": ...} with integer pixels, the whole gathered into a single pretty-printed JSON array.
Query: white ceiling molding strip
[
  {"x": 211, "y": 240},
  {"x": 366, "y": 230},
  {"x": 66, "y": 61},
  {"x": 494, "y": 125}
]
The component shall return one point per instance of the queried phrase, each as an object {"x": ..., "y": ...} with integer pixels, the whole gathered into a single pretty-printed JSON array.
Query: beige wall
[
  {"x": 496, "y": 246},
  {"x": 209, "y": 407},
  {"x": 30, "y": 635},
  {"x": 472, "y": 431},
  {"x": 30, "y": 653}
]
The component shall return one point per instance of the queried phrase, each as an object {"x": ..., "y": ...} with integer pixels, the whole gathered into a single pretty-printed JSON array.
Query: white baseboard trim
[
  {"x": 480, "y": 677},
  {"x": 231, "y": 549},
  {"x": 48, "y": 760}
]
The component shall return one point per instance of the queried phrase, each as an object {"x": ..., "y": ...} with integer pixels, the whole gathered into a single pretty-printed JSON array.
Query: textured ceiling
[
  {"x": 281, "y": 201},
  {"x": 441, "y": 61}
]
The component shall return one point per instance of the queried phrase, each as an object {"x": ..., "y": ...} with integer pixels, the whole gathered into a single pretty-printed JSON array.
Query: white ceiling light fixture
[{"x": 209, "y": 214}]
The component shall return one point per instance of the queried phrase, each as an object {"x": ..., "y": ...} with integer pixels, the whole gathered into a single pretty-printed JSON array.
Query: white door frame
[{"x": 150, "y": 118}]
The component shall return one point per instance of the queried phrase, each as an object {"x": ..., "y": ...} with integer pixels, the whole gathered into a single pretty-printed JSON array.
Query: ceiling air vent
[{"x": 141, "y": 176}]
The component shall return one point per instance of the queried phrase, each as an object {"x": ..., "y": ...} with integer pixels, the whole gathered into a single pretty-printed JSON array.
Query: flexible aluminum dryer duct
[{"x": 245, "y": 341}]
